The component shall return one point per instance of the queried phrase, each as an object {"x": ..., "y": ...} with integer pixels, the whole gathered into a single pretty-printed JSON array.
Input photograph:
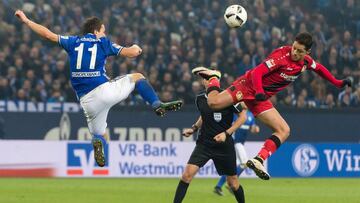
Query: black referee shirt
[{"x": 214, "y": 122}]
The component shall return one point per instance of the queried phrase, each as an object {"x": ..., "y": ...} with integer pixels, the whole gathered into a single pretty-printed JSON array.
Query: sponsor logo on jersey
[
  {"x": 217, "y": 117},
  {"x": 290, "y": 78},
  {"x": 87, "y": 39},
  {"x": 85, "y": 74},
  {"x": 81, "y": 162},
  {"x": 305, "y": 160},
  {"x": 270, "y": 63}
]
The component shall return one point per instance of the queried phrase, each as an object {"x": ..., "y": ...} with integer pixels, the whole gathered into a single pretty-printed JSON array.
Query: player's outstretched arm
[
  {"x": 39, "y": 29},
  {"x": 131, "y": 52},
  {"x": 325, "y": 73}
]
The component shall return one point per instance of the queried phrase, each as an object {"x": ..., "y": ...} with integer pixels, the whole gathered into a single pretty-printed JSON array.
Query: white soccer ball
[{"x": 235, "y": 16}]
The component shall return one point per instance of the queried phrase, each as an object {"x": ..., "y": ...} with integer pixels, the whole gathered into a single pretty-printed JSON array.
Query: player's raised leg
[
  {"x": 149, "y": 95},
  {"x": 217, "y": 99},
  {"x": 187, "y": 176},
  {"x": 237, "y": 189},
  {"x": 281, "y": 132}
]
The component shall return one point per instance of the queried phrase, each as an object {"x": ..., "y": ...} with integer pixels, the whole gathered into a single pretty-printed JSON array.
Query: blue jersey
[
  {"x": 241, "y": 133},
  {"x": 87, "y": 60}
]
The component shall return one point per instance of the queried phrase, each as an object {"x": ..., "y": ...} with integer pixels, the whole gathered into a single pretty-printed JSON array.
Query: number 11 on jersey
[{"x": 80, "y": 50}]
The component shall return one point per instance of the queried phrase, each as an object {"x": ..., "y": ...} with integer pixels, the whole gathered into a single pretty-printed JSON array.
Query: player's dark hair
[
  {"x": 305, "y": 39},
  {"x": 91, "y": 24}
]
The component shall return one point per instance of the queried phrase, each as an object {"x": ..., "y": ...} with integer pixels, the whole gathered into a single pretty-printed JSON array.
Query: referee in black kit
[{"x": 214, "y": 142}]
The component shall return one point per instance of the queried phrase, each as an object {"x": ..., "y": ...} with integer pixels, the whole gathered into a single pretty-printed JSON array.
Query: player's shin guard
[
  {"x": 180, "y": 191},
  {"x": 147, "y": 93},
  {"x": 269, "y": 147},
  {"x": 239, "y": 195}
]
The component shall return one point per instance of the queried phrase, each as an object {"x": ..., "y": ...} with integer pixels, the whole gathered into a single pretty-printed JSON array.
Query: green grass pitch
[{"x": 126, "y": 190}]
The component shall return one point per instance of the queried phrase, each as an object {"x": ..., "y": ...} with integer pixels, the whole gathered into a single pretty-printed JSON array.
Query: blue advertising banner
[{"x": 316, "y": 160}]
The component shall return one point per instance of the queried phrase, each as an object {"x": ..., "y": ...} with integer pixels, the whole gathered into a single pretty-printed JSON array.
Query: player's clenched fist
[
  {"x": 21, "y": 15},
  {"x": 220, "y": 137},
  {"x": 138, "y": 50},
  {"x": 187, "y": 132}
]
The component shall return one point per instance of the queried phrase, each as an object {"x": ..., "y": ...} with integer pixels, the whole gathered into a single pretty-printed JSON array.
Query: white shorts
[
  {"x": 97, "y": 103},
  {"x": 241, "y": 156}
]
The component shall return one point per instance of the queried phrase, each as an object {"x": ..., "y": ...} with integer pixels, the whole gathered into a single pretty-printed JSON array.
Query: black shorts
[{"x": 224, "y": 158}]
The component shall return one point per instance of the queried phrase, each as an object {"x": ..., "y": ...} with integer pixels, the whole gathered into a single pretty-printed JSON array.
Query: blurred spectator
[
  {"x": 166, "y": 96},
  {"x": 5, "y": 91},
  {"x": 21, "y": 95},
  {"x": 287, "y": 96},
  {"x": 329, "y": 101},
  {"x": 355, "y": 97},
  {"x": 56, "y": 97},
  {"x": 344, "y": 99},
  {"x": 197, "y": 88}
]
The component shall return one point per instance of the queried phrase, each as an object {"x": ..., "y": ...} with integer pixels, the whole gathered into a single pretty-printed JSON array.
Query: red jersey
[
  {"x": 273, "y": 75},
  {"x": 278, "y": 71}
]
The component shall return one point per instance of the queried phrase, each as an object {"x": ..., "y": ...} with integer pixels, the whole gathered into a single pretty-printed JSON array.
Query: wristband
[{"x": 194, "y": 127}]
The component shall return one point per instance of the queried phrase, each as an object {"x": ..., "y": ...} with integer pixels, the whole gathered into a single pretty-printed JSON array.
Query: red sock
[
  {"x": 269, "y": 147},
  {"x": 214, "y": 82}
]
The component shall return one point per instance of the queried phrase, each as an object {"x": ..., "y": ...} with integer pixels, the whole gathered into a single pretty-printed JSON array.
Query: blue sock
[
  {"x": 221, "y": 182},
  {"x": 239, "y": 170},
  {"x": 102, "y": 138},
  {"x": 147, "y": 92}
]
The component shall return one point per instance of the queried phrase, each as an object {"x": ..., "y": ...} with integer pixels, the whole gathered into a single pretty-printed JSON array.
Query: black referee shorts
[{"x": 223, "y": 157}]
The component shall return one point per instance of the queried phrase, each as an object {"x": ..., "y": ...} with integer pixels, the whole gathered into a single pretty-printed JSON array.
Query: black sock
[
  {"x": 239, "y": 195},
  {"x": 259, "y": 159},
  {"x": 180, "y": 191},
  {"x": 276, "y": 140},
  {"x": 213, "y": 88}
]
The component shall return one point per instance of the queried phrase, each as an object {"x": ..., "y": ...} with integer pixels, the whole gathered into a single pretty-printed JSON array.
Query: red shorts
[
  {"x": 241, "y": 90},
  {"x": 257, "y": 107}
]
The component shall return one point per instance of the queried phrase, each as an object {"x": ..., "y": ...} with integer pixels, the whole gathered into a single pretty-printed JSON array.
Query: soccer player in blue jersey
[
  {"x": 97, "y": 94},
  {"x": 240, "y": 137}
]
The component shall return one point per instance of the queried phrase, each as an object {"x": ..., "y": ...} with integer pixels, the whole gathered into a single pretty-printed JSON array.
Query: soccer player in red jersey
[{"x": 281, "y": 68}]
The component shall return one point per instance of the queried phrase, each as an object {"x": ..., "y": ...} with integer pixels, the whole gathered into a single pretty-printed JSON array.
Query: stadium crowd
[{"x": 179, "y": 35}]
